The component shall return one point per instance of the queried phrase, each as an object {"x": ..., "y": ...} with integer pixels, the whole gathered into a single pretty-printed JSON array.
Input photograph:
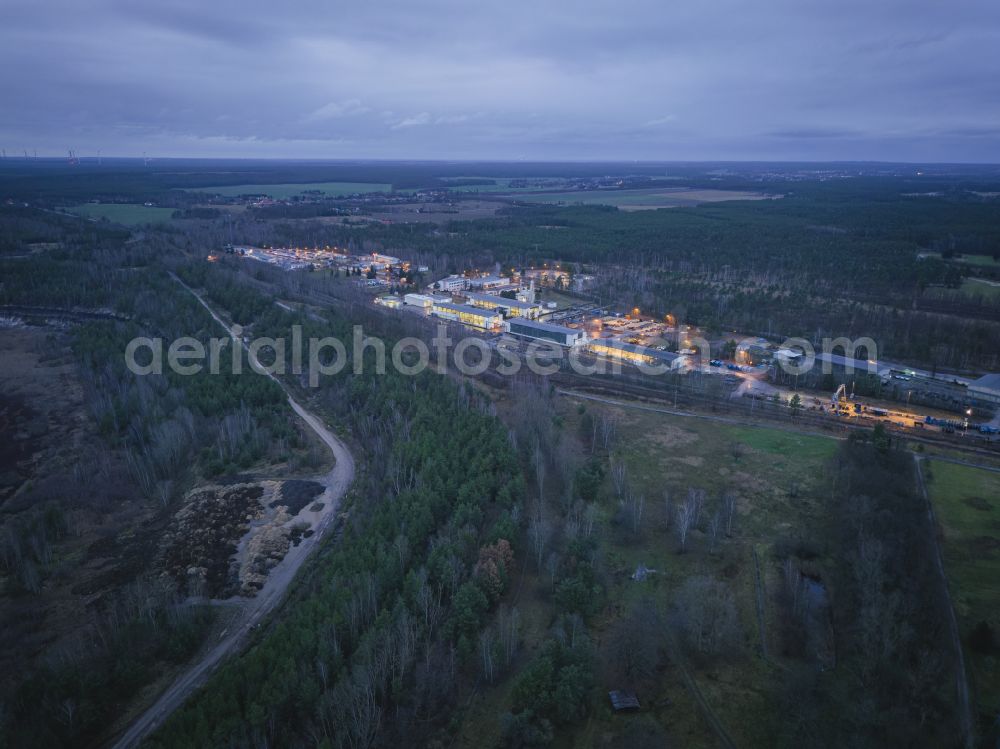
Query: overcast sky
[{"x": 912, "y": 80}]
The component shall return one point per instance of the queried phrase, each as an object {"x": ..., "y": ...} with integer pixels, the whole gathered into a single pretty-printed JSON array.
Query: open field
[
  {"x": 129, "y": 214},
  {"x": 546, "y": 294},
  {"x": 502, "y": 184},
  {"x": 288, "y": 190},
  {"x": 780, "y": 482},
  {"x": 972, "y": 289},
  {"x": 982, "y": 289},
  {"x": 985, "y": 261},
  {"x": 642, "y": 200},
  {"x": 981, "y": 260},
  {"x": 439, "y": 213},
  {"x": 967, "y": 503}
]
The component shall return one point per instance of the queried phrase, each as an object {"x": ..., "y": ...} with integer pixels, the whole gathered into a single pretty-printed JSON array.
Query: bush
[{"x": 983, "y": 638}]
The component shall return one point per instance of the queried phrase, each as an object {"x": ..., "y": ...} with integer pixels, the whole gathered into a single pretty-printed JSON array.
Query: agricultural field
[
  {"x": 439, "y": 213},
  {"x": 779, "y": 482},
  {"x": 986, "y": 261},
  {"x": 129, "y": 214},
  {"x": 972, "y": 289},
  {"x": 982, "y": 261},
  {"x": 642, "y": 200},
  {"x": 967, "y": 503},
  {"x": 503, "y": 184},
  {"x": 289, "y": 190},
  {"x": 981, "y": 288}
]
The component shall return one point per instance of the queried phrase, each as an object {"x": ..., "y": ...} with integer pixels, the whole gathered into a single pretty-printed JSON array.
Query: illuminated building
[
  {"x": 509, "y": 307},
  {"x": 463, "y": 313},
  {"x": 524, "y": 328}
]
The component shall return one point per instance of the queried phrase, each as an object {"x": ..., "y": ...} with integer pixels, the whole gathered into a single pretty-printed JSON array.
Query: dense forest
[
  {"x": 149, "y": 440},
  {"x": 895, "y": 682},
  {"x": 412, "y": 606},
  {"x": 393, "y": 619}
]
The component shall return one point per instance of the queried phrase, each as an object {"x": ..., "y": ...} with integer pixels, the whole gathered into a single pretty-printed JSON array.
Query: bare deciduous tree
[
  {"x": 714, "y": 526},
  {"x": 589, "y": 518},
  {"x": 539, "y": 460},
  {"x": 539, "y": 531},
  {"x": 729, "y": 505},
  {"x": 609, "y": 428},
  {"x": 705, "y": 613},
  {"x": 486, "y": 643},
  {"x": 619, "y": 477},
  {"x": 508, "y": 629},
  {"x": 552, "y": 566},
  {"x": 635, "y": 504},
  {"x": 696, "y": 497},
  {"x": 685, "y": 516}
]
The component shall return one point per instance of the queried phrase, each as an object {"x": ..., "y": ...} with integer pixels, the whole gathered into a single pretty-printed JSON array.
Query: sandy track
[{"x": 336, "y": 483}]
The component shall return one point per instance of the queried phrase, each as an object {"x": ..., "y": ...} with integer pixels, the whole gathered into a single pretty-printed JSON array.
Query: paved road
[{"x": 336, "y": 483}]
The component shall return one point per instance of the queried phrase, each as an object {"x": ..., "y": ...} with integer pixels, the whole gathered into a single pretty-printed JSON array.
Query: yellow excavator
[{"x": 840, "y": 402}]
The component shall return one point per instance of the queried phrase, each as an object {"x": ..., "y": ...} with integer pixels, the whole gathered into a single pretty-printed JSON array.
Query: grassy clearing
[
  {"x": 967, "y": 503},
  {"x": 129, "y": 214},
  {"x": 562, "y": 300},
  {"x": 780, "y": 482},
  {"x": 981, "y": 287},
  {"x": 288, "y": 190},
  {"x": 972, "y": 288}
]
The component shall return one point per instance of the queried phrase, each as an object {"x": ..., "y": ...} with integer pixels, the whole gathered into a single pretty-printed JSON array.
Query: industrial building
[
  {"x": 488, "y": 282},
  {"x": 840, "y": 364},
  {"x": 632, "y": 353},
  {"x": 463, "y": 313},
  {"x": 452, "y": 284},
  {"x": 424, "y": 301},
  {"x": 509, "y": 307},
  {"x": 525, "y": 328},
  {"x": 986, "y": 390},
  {"x": 389, "y": 300}
]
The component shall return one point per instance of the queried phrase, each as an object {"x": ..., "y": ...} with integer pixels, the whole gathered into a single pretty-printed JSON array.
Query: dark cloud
[{"x": 592, "y": 79}]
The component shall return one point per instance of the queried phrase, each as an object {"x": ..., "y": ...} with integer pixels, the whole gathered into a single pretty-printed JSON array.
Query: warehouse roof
[
  {"x": 499, "y": 301},
  {"x": 847, "y": 361},
  {"x": 548, "y": 327},
  {"x": 635, "y": 349},
  {"x": 987, "y": 382},
  {"x": 452, "y": 306}
]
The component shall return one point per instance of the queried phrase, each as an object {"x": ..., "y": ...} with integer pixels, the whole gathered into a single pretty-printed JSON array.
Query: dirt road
[{"x": 336, "y": 483}]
